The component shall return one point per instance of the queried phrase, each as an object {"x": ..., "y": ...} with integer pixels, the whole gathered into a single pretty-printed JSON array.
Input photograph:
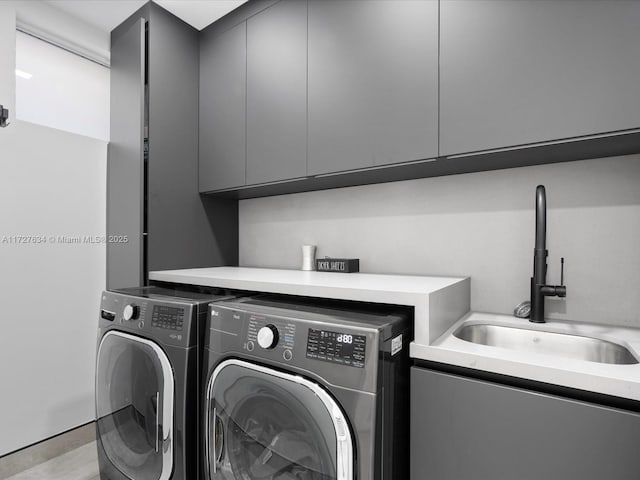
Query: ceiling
[{"x": 108, "y": 14}]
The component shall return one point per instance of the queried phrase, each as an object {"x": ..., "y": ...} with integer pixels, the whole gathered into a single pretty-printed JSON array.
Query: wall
[
  {"x": 61, "y": 81},
  {"x": 52, "y": 183},
  {"x": 478, "y": 224},
  {"x": 54, "y": 25}
]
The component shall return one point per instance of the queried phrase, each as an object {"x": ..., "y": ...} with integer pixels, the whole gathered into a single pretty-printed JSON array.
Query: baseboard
[{"x": 27, "y": 457}]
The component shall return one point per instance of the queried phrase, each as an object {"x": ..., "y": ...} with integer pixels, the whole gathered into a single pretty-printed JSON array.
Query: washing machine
[
  {"x": 301, "y": 391},
  {"x": 148, "y": 369}
]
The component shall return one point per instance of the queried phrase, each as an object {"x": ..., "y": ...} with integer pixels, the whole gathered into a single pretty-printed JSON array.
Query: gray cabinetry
[
  {"x": 222, "y": 142},
  {"x": 373, "y": 83},
  {"x": 277, "y": 93},
  {"x": 125, "y": 166},
  {"x": 184, "y": 229},
  {"x": 156, "y": 219},
  {"x": 466, "y": 429},
  {"x": 299, "y": 95},
  {"x": 521, "y": 72}
]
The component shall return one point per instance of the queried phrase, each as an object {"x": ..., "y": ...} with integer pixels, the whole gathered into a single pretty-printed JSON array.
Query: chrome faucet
[{"x": 539, "y": 288}]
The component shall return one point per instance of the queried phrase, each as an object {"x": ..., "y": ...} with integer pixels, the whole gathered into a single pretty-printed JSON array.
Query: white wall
[
  {"x": 52, "y": 183},
  {"x": 478, "y": 224},
  {"x": 39, "y": 18},
  {"x": 65, "y": 91}
]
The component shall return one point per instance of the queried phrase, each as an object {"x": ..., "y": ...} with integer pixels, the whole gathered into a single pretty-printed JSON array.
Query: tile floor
[{"x": 78, "y": 464}]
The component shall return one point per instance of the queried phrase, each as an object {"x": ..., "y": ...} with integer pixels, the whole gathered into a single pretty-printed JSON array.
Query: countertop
[
  {"x": 441, "y": 305},
  {"x": 610, "y": 379},
  {"x": 438, "y": 301}
]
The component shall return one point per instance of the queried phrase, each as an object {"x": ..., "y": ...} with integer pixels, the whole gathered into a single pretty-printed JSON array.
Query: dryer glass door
[
  {"x": 266, "y": 424},
  {"x": 134, "y": 406}
]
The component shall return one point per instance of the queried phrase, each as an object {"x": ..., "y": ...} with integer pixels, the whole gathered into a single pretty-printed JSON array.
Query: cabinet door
[
  {"x": 222, "y": 142},
  {"x": 277, "y": 93},
  {"x": 125, "y": 166},
  {"x": 526, "y": 71},
  {"x": 373, "y": 83},
  {"x": 465, "y": 429}
]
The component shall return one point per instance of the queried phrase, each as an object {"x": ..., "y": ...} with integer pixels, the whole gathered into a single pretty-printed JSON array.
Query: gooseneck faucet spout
[
  {"x": 540, "y": 252},
  {"x": 541, "y": 220},
  {"x": 539, "y": 288}
]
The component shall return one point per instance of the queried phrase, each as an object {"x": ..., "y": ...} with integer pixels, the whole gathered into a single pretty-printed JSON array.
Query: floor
[{"x": 78, "y": 464}]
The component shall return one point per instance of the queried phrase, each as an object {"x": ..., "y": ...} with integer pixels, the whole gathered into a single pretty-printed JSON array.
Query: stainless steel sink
[{"x": 559, "y": 344}]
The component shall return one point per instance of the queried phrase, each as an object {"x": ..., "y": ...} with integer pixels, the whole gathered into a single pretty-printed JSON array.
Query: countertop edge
[{"x": 608, "y": 379}]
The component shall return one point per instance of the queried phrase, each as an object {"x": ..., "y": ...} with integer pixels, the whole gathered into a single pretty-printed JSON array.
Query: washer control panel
[
  {"x": 269, "y": 333},
  {"x": 169, "y": 321},
  {"x": 337, "y": 347},
  {"x": 167, "y": 317},
  {"x": 304, "y": 338}
]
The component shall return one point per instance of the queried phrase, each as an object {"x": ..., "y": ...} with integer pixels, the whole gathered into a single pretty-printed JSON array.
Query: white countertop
[
  {"x": 617, "y": 380},
  {"x": 438, "y": 301},
  {"x": 441, "y": 305}
]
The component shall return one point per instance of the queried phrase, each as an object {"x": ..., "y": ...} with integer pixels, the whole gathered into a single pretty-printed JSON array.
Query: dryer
[
  {"x": 148, "y": 364},
  {"x": 301, "y": 391}
]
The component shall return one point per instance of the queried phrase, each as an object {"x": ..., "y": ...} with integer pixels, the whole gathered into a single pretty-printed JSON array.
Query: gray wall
[{"x": 477, "y": 224}]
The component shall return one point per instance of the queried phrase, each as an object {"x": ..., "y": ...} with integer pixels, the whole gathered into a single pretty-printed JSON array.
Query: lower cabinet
[{"x": 467, "y": 429}]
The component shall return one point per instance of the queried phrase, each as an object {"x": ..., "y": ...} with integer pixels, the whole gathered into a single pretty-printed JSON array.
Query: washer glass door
[
  {"x": 266, "y": 424},
  {"x": 134, "y": 406}
]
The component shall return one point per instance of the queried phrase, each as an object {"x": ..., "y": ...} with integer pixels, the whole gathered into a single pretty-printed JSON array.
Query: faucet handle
[
  {"x": 554, "y": 290},
  {"x": 561, "y": 290}
]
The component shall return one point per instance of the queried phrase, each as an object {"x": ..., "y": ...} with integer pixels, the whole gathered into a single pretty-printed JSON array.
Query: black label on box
[{"x": 343, "y": 265}]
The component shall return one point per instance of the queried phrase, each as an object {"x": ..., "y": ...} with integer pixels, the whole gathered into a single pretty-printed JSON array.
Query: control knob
[
  {"x": 130, "y": 312},
  {"x": 268, "y": 336}
]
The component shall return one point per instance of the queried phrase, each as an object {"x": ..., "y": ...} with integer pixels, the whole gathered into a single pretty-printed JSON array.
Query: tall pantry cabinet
[{"x": 156, "y": 219}]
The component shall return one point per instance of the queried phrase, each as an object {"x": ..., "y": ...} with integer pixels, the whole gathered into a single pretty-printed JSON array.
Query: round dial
[
  {"x": 268, "y": 336},
  {"x": 130, "y": 312}
]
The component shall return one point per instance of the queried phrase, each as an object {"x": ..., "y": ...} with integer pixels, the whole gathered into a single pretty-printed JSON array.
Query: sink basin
[{"x": 564, "y": 345}]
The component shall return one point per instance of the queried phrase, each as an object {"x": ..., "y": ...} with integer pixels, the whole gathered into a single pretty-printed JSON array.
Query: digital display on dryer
[{"x": 337, "y": 347}]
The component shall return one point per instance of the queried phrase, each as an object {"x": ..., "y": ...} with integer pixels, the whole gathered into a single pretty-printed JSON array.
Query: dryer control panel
[{"x": 343, "y": 348}]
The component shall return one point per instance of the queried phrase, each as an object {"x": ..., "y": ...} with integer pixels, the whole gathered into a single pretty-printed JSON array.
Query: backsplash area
[{"x": 477, "y": 224}]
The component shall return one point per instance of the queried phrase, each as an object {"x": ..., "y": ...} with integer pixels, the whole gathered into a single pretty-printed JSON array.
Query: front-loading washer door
[
  {"x": 134, "y": 406},
  {"x": 262, "y": 424}
]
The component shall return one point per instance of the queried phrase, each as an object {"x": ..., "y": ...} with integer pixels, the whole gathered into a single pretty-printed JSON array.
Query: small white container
[{"x": 308, "y": 257}]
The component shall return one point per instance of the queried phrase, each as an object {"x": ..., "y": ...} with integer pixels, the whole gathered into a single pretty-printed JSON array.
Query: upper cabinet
[
  {"x": 277, "y": 93},
  {"x": 521, "y": 72},
  {"x": 300, "y": 95},
  {"x": 223, "y": 79},
  {"x": 373, "y": 83}
]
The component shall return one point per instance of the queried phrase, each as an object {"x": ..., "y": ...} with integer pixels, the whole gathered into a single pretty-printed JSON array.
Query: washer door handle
[
  {"x": 345, "y": 467},
  {"x": 214, "y": 460},
  {"x": 157, "y": 422},
  {"x": 216, "y": 447}
]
